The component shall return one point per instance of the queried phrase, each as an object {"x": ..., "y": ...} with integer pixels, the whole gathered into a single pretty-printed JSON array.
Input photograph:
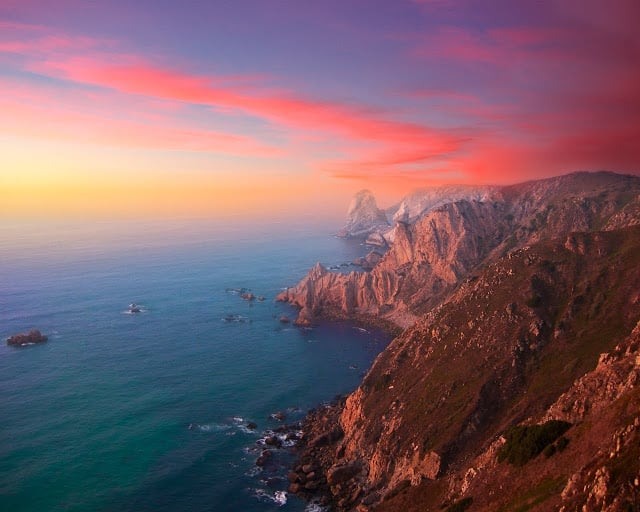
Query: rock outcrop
[
  {"x": 364, "y": 217},
  {"x": 31, "y": 338},
  {"x": 429, "y": 258}
]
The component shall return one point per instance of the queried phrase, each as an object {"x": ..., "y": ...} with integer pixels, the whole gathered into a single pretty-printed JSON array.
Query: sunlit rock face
[{"x": 519, "y": 310}]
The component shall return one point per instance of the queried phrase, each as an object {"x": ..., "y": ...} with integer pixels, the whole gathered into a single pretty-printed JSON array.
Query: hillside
[{"x": 535, "y": 317}]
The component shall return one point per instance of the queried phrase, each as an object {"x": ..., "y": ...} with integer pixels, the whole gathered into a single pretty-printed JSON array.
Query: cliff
[
  {"x": 425, "y": 262},
  {"x": 515, "y": 383},
  {"x": 429, "y": 258},
  {"x": 521, "y": 342}
]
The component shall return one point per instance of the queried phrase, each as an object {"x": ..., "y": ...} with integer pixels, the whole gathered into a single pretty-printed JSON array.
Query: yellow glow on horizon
[{"x": 40, "y": 178}]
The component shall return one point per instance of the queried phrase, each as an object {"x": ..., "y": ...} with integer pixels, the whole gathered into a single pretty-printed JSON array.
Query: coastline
[{"x": 313, "y": 475}]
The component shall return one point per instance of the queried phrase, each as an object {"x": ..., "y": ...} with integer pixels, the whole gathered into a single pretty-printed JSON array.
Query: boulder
[
  {"x": 340, "y": 474},
  {"x": 273, "y": 441},
  {"x": 294, "y": 488},
  {"x": 264, "y": 458}
]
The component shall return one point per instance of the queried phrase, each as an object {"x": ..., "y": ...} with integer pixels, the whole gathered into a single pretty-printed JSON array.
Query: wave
[
  {"x": 254, "y": 471},
  {"x": 235, "y": 318},
  {"x": 278, "y": 497},
  {"x": 208, "y": 427},
  {"x": 315, "y": 507},
  {"x": 128, "y": 312}
]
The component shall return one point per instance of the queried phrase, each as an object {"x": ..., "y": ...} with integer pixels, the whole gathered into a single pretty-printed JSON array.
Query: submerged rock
[{"x": 31, "y": 338}]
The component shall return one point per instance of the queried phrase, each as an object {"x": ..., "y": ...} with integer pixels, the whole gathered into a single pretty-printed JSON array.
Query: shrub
[
  {"x": 549, "y": 450},
  {"x": 524, "y": 442},
  {"x": 534, "y": 301},
  {"x": 562, "y": 443}
]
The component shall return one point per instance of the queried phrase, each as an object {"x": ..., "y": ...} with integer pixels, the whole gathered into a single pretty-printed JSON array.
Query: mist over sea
[{"x": 148, "y": 411}]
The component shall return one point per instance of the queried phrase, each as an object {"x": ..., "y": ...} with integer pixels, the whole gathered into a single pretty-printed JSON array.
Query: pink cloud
[
  {"x": 36, "y": 112},
  {"x": 84, "y": 62},
  {"x": 357, "y": 123}
]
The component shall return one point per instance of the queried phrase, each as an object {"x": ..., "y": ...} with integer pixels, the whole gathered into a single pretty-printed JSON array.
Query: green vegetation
[
  {"x": 534, "y": 301},
  {"x": 535, "y": 495},
  {"x": 562, "y": 443},
  {"x": 460, "y": 506},
  {"x": 558, "y": 446},
  {"x": 524, "y": 442}
]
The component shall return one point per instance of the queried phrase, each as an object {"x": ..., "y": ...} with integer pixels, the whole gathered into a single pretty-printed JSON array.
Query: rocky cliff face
[
  {"x": 429, "y": 258},
  {"x": 521, "y": 341},
  {"x": 425, "y": 262},
  {"x": 521, "y": 310},
  {"x": 364, "y": 217}
]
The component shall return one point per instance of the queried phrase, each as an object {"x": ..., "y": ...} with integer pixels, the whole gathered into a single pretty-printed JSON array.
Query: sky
[{"x": 260, "y": 107}]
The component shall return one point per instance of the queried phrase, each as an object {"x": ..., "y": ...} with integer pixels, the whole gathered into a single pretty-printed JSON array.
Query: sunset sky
[{"x": 196, "y": 108}]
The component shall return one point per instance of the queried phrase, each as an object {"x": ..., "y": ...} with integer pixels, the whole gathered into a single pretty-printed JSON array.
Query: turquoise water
[{"x": 146, "y": 412}]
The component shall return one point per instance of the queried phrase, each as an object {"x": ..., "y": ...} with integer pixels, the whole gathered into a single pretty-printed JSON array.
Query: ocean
[{"x": 149, "y": 411}]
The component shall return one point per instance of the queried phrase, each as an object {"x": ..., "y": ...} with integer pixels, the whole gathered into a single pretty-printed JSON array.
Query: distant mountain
[
  {"x": 422, "y": 201},
  {"x": 363, "y": 217},
  {"x": 516, "y": 383}
]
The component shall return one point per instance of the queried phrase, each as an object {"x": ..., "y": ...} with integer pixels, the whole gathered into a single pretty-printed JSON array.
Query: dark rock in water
[
  {"x": 295, "y": 488},
  {"x": 31, "y": 338},
  {"x": 273, "y": 482},
  {"x": 284, "y": 319},
  {"x": 264, "y": 458},
  {"x": 279, "y": 416},
  {"x": 248, "y": 296},
  {"x": 261, "y": 298},
  {"x": 134, "y": 308},
  {"x": 293, "y": 477},
  {"x": 273, "y": 441},
  {"x": 251, "y": 425}
]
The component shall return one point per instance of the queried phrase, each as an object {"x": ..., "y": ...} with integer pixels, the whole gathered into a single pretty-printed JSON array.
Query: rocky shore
[{"x": 309, "y": 478}]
